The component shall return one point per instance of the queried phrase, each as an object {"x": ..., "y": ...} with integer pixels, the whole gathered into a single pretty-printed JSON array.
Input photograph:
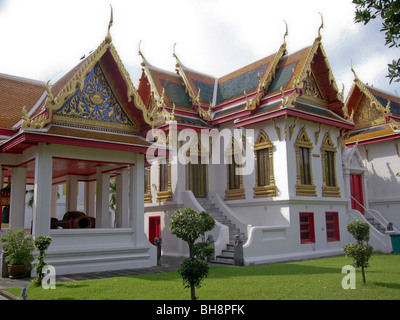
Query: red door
[
  {"x": 356, "y": 190},
  {"x": 154, "y": 228}
]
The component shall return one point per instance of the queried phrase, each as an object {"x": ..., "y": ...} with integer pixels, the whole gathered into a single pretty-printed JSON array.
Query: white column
[
  {"x": 90, "y": 192},
  {"x": 136, "y": 206},
  {"x": 42, "y": 191},
  {"x": 17, "y": 200},
  {"x": 122, "y": 200},
  {"x": 102, "y": 200},
  {"x": 71, "y": 203}
]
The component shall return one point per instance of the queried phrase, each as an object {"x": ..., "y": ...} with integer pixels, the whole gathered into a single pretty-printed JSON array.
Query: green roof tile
[
  {"x": 177, "y": 94},
  {"x": 236, "y": 86},
  {"x": 282, "y": 78}
]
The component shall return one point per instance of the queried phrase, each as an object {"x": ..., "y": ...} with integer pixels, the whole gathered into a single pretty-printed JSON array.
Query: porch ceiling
[{"x": 63, "y": 167}]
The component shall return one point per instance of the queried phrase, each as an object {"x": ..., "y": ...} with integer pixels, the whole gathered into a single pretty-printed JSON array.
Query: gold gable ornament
[{"x": 269, "y": 75}]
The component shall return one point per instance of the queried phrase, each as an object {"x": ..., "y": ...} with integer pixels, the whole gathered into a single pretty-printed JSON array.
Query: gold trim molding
[
  {"x": 327, "y": 145},
  {"x": 303, "y": 141},
  {"x": 268, "y": 76},
  {"x": 195, "y": 98},
  {"x": 54, "y": 103},
  {"x": 238, "y": 193},
  {"x": 269, "y": 190}
]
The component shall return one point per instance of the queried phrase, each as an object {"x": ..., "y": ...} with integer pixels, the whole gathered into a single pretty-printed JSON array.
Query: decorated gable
[
  {"x": 95, "y": 105},
  {"x": 368, "y": 113},
  {"x": 311, "y": 89}
]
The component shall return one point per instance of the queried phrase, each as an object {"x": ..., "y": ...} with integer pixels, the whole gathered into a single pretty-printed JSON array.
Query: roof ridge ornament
[
  {"x": 319, "y": 38},
  {"x": 108, "y": 36},
  {"x": 178, "y": 62},
  {"x": 49, "y": 94},
  {"x": 265, "y": 80},
  {"x": 352, "y": 70},
  {"x": 193, "y": 97},
  {"x": 286, "y": 34},
  {"x": 141, "y": 54}
]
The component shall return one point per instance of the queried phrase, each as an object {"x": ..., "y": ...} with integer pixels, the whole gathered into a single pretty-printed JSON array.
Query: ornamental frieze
[{"x": 96, "y": 103}]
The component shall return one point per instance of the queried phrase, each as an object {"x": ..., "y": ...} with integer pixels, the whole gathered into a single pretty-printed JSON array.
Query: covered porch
[{"x": 45, "y": 161}]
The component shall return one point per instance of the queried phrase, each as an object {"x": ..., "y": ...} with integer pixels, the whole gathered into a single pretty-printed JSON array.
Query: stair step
[
  {"x": 228, "y": 253},
  {"x": 224, "y": 259},
  {"x": 223, "y": 262},
  {"x": 376, "y": 225}
]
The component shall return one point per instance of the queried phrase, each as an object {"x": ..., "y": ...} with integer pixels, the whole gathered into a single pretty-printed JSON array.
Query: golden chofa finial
[
  {"x": 140, "y": 51},
  {"x": 173, "y": 51},
  {"x": 49, "y": 94},
  {"x": 141, "y": 54},
  {"x": 178, "y": 62},
  {"x": 352, "y": 70},
  {"x": 321, "y": 26},
  {"x": 108, "y": 36},
  {"x": 286, "y": 33}
]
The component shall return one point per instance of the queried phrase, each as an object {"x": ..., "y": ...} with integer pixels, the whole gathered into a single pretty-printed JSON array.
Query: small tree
[
  {"x": 41, "y": 244},
  {"x": 188, "y": 225},
  {"x": 360, "y": 251}
]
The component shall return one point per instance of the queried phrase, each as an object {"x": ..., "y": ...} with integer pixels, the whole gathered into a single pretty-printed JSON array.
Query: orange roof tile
[
  {"x": 15, "y": 93},
  {"x": 371, "y": 133},
  {"x": 96, "y": 135}
]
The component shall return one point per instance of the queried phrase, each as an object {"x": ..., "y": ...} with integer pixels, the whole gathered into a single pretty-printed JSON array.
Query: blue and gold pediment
[{"x": 95, "y": 106}]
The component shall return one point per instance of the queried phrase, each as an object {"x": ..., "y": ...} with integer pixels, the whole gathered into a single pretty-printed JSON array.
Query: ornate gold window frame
[
  {"x": 198, "y": 153},
  {"x": 147, "y": 186},
  {"x": 303, "y": 141},
  {"x": 268, "y": 190},
  {"x": 332, "y": 190},
  {"x": 164, "y": 195},
  {"x": 232, "y": 152}
]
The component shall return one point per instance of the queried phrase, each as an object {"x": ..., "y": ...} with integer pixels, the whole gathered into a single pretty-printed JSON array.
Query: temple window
[
  {"x": 147, "y": 185},
  {"x": 164, "y": 176},
  {"x": 332, "y": 226},
  {"x": 263, "y": 153},
  {"x": 328, "y": 155},
  {"x": 164, "y": 184},
  {"x": 304, "y": 181},
  {"x": 307, "y": 230},
  {"x": 235, "y": 189}
]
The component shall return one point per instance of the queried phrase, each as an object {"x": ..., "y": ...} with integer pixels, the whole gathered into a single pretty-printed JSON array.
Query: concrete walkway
[{"x": 167, "y": 264}]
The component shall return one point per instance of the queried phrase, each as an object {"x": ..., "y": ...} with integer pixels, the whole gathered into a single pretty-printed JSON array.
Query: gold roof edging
[
  {"x": 206, "y": 115},
  {"x": 157, "y": 100},
  {"x": 299, "y": 81},
  {"x": 373, "y": 101},
  {"x": 54, "y": 103},
  {"x": 269, "y": 75}
]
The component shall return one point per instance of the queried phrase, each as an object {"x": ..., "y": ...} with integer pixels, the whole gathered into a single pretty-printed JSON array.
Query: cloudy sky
[{"x": 43, "y": 39}]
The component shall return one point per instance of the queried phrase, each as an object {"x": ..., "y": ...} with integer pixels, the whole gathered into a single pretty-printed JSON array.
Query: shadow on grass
[
  {"x": 274, "y": 270},
  {"x": 218, "y": 272},
  {"x": 395, "y": 286}
]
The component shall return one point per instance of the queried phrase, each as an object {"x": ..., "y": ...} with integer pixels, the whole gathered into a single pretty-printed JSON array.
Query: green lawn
[{"x": 313, "y": 279}]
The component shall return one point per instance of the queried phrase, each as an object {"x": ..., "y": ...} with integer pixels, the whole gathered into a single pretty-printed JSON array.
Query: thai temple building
[{"x": 274, "y": 151}]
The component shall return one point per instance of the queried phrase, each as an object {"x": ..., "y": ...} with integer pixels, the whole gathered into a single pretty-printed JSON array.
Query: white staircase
[
  {"x": 376, "y": 225},
  {"x": 227, "y": 255}
]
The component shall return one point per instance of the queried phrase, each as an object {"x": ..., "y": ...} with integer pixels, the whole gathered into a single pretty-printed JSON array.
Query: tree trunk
[
  {"x": 190, "y": 249},
  {"x": 193, "y": 291},
  {"x": 363, "y": 274}
]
